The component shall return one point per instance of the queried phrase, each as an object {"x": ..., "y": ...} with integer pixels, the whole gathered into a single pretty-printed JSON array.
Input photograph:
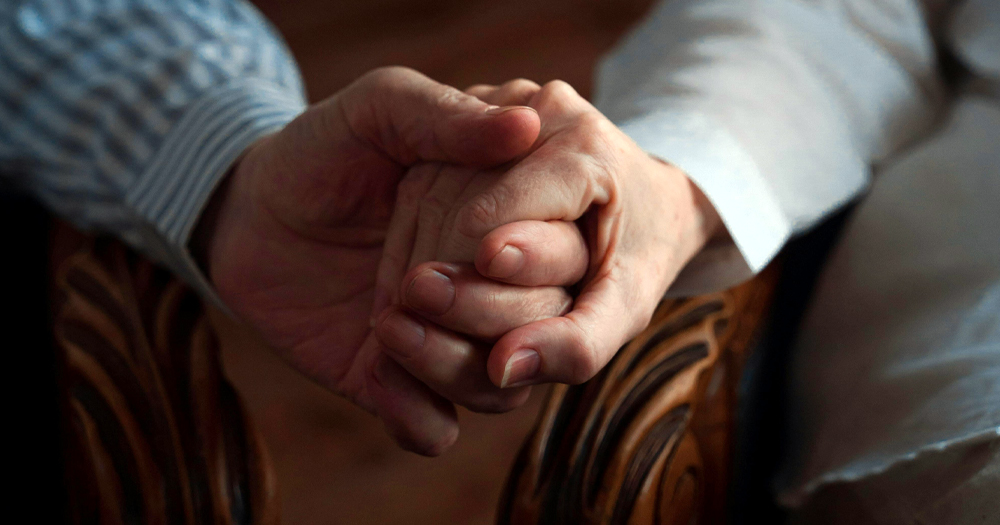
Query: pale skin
[{"x": 453, "y": 291}]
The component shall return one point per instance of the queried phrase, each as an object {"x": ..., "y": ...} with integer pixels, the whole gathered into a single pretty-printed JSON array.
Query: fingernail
[
  {"x": 430, "y": 292},
  {"x": 506, "y": 263},
  {"x": 401, "y": 333},
  {"x": 521, "y": 368},
  {"x": 499, "y": 110}
]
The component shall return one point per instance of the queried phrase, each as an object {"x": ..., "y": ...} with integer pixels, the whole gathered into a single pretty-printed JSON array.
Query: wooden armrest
[
  {"x": 649, "y": 440},
  {"x": 154, "y": 432}
]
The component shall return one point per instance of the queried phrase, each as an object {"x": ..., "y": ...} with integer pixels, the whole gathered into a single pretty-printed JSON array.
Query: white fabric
[
  {"x": 900, "y": 352},
  {"x": 779, "y": 110},
  {"x": 943, "y": 488}
]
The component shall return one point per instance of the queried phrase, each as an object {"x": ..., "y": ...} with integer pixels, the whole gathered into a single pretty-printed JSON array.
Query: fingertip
[
  {"x": 512, "y": 130},
  {"x": 429, "y": 287},
  {"x": 506, "y": 263},
  {"x": 521, "y": 369},
  {"x": 566, "y": 353},
  {"x": 401, "y": 335},
  {"x": 419, "y": 420},
  {"x": 436, "y": 448},
  {"x": 534, "y": 253},
  {"x": 499, "y": 256},
  {"x": 500, "y": 365}
]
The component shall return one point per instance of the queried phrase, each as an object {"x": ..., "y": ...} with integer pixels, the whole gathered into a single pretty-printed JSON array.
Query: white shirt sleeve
[{"x": 776, "y": 109}]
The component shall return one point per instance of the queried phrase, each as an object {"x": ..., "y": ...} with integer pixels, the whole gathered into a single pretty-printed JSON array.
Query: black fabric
[
  {"x": 762, "y": 409},
  {"x": 32, "y": 423}
]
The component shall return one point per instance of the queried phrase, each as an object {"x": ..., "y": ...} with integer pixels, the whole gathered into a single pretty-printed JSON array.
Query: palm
[
  {"x": 311, "y": 300},
  {"x": 301, "y": 259}
]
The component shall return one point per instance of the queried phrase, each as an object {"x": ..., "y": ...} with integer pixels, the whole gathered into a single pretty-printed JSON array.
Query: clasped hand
[{"x": 409, "y": 246}]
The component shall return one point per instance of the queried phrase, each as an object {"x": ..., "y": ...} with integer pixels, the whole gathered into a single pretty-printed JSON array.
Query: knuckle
[
  {"x": 594, "y": 123},
  {"x": 411, "y": 189},
  {"x": 479, "y": 215},
  {"x": 386, "y": 75},
  {"x": 450, "y": 96},
  {"x": 556, "y": 95},
  {"x": 579, "y": 166},
  {"x": 480, "y": 89},
  {"x": 414, "y": 135},
  {"x": 521, "y": 85},
  {"x": 594, "y": 133},
  {"x": 559, "y": 88},
  {"x": 433, "y": 210}
]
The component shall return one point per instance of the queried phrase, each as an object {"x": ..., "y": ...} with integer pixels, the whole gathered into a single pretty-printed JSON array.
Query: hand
[
  {"x": 643, "y": 220},
  {"x": 296, "y": 233},
  {"x": 439, "y": 320}
]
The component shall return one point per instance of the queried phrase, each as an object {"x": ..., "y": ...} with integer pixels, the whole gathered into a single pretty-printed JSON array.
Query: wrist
[
  {"x": 215, "y": 226},
  {"x": 708, "y": 223},
  {"x": 204, "y": 232},
  {"x": 686, "y": 223},
  {"x": 699, "y": 222}
]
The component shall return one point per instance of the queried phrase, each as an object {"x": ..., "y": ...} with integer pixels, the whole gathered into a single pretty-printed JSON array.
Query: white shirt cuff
[{"x": 731, "y": 180}]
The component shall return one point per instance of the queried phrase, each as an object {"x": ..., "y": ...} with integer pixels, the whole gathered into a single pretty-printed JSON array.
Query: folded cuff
[
  {"x": 731, "y": 180},
  {"x": 174, "y": 188}
]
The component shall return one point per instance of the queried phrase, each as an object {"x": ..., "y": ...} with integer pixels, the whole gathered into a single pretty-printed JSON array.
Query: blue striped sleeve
[{"x": 123, "y": 116}]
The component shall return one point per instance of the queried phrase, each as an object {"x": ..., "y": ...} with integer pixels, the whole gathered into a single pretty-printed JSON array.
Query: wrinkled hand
[
  {"x": 296, "y": 235},
  {"x": 643, "y": 220}
]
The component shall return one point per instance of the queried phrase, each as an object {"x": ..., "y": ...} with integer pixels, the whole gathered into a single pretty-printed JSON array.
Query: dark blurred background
[{"x": 458, "y": 42}]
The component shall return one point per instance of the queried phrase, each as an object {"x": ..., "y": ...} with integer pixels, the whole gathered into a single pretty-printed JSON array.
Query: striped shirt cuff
[
  {"x": 173, "y": 190},
  {"x": 729, "y": 177}
]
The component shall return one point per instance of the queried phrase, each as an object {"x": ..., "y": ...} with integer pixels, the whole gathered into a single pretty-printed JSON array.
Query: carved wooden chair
[{"x": 157, "y": 435}]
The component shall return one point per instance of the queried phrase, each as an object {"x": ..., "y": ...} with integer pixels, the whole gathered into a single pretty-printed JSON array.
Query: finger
[
  {"x": 400, "y": 235},
  {"x": 518, "y": 92},
  {"x": 418, "y": 419},
  {"x": 451, "y": 365},
  {"x": 458, "y": 298},
  {"x": 536, "y": 189},
  {"x": 573, "y": 348},
  {"x": 558, "y": 104},
  {"x": 410, "y": 118},
  {"x": 437, "y": 209},
  {"x": 560, "y": 180},
  {"x": 480, "y": 90},
  {"x": 534, "y": 253}
]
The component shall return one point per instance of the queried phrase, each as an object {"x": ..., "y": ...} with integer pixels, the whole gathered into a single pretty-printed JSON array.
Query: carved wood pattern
[
  {"x": 155, "y": 434},
  {"x": 647, "y": 441}
]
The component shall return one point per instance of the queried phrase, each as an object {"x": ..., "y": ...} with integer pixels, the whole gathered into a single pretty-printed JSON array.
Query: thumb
[{"x": 411, "y": 118}]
